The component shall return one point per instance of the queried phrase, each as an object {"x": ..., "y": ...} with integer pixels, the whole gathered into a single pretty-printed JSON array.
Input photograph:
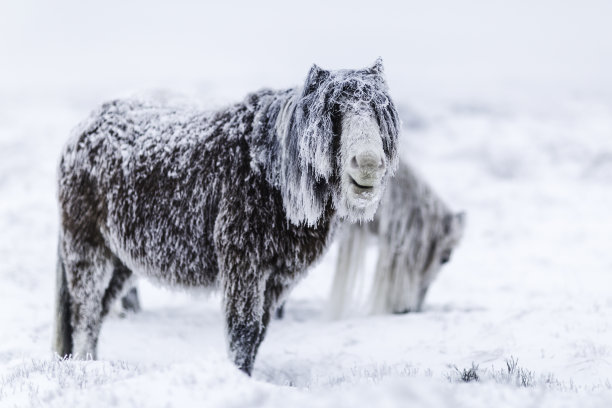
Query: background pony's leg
[
  {"x": 383, "y": 279},
  {"x": 351, "y": 255}
]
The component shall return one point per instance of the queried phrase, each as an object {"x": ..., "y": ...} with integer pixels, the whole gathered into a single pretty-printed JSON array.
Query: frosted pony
[
  {"x": 416, "y": 234},
  {"x": 243, "y": 199}
]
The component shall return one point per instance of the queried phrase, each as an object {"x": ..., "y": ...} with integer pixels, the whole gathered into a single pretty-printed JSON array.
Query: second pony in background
[{"x": 416, "y": 234}]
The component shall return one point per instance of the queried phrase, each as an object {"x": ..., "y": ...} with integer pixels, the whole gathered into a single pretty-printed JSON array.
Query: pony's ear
[
  {"x": 315, "y": 77},
  {"x": 454, "y": 223},
  {"x": 377, "y": 67},
  {"x": 460, "y": 219}
]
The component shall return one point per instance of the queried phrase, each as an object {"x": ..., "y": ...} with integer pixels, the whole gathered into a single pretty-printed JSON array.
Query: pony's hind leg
[
  {"x": 62, "y": 341},
  {"x": 88, "y": 270},
  {"x": 130, "y": 302},
  {"x": 275, "y": 291},
  {"x": 280, "y": 312},
  {"x": 120, "y": 281}
]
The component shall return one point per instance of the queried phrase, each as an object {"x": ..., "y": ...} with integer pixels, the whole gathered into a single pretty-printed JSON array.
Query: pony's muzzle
[{"x": 366, "y": 169}]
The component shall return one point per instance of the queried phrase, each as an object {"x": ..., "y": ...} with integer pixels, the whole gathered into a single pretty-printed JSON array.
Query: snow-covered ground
[{"x": 524, "y": 149}]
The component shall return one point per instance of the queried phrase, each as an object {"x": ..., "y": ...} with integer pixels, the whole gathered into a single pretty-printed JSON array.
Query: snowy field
[{"x": 520, "y": 317}]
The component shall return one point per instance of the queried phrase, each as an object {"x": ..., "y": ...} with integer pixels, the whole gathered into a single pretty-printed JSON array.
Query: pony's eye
[{"x": 445, "y": 257}]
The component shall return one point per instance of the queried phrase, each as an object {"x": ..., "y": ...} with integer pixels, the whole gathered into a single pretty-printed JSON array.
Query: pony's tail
[
  {"x": 62, "y": 342},
  {"x": 349, "y": 268}
]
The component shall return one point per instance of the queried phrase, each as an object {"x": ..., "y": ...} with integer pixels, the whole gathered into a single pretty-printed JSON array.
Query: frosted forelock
[{"x": 313, "y": 127}]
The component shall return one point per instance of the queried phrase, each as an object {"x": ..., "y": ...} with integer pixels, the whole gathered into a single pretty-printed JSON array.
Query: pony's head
[
  {"x": 445, "y": 237},
  {"x": 340, "y": 145}
]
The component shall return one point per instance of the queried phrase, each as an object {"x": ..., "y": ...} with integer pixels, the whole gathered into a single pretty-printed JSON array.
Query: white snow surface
[{"x": 531, "y": 280}]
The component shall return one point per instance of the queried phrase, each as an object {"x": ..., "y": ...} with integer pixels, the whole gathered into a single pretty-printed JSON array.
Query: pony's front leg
[
  {"x": 244, "y": 312},
  {"x": 246, "y": 258}
]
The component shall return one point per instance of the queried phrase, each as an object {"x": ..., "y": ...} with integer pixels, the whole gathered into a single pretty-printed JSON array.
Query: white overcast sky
[{"x": 454, "y": 47}]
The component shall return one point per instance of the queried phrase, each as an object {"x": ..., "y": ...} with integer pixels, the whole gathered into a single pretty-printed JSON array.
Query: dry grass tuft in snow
[
  {"x": 514, "y": 375},
  {"x": 40, "y": 381}
]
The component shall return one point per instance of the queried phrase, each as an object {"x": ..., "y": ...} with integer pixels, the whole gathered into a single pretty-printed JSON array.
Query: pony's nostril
[{"x": 367, "y": 160}]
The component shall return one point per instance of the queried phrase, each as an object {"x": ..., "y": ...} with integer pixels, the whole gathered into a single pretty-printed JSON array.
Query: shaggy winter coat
[{"x": 243, "y": 199}]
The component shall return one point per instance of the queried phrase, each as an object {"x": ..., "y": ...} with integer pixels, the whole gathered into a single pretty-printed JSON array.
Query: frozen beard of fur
[
  {"x": 362, "y": 157},
  {"x": 243, "y": 199},
  {"x": 416, "y": 234}
]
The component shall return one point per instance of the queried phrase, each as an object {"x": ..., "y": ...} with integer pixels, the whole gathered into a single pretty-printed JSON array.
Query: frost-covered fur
[
  {"x": 416, "y": 234},
  {"x": 244, "y": 199}
]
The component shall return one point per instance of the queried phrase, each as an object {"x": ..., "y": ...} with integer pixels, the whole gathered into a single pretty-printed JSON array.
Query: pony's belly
[{"x": 168, "y": 265}]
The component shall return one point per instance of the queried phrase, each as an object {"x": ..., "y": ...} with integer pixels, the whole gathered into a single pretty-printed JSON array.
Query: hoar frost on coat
[{"x": 243, "y": 199}]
